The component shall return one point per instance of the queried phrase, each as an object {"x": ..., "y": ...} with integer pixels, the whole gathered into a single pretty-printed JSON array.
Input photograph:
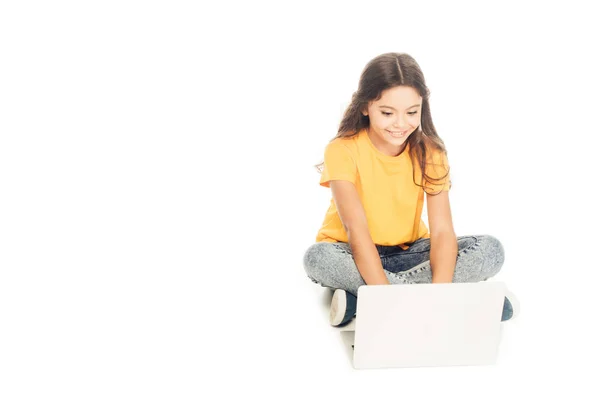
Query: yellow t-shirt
[{"x": 393, "y": 203}]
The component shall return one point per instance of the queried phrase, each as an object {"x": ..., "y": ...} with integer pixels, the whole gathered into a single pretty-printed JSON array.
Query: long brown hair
[{"x": 381, "y": 73}]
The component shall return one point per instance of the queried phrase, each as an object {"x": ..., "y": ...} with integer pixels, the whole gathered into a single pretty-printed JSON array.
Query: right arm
[{"x": 353, "y": 218}]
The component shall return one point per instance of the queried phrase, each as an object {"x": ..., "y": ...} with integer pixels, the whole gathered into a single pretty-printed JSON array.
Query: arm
[
  {"x": 444, "y": 249},
  {"x": 366, "y": 257},
  {"x": 353, "y": 218},
  {"x": 444, "y": 245}
]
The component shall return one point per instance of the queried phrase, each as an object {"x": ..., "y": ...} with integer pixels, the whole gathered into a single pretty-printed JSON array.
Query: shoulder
[
  {"x": 347, "y": 141},
  {"x": 436, "y": 156},
  {"x": 342, "y": 145}
]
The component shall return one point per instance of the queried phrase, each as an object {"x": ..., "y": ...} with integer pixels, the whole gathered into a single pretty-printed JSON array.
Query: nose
[{"x": 400, "y": 124}]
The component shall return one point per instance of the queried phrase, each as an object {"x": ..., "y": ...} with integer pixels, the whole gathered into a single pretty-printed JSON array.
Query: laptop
[{"x": 427, "y": 325}]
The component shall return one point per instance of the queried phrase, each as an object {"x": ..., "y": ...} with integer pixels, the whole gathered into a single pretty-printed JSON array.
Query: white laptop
[{"x": 442, "y": 324}]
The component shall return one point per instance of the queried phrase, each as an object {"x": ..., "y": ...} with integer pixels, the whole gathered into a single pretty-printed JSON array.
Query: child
[{"x": 386, "y": 154}]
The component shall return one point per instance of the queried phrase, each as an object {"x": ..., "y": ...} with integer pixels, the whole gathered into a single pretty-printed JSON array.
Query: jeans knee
[
  {"x": 494, "y": 255},
  {"x": 313, "y": 259}
]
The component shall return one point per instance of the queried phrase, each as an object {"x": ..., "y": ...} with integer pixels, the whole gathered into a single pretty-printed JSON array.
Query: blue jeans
[{"x": 331, "y": 264}]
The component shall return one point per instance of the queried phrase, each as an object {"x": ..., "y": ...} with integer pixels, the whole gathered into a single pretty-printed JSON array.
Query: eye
[{"x": 387, "y": 114}]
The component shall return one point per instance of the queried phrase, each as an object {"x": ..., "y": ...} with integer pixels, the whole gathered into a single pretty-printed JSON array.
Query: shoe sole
[{"x": 338, "y": 307}]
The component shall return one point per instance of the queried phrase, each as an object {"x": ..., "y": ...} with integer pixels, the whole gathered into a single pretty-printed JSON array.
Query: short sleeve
[
  {"x": 338, "y": 165},
  {"x": 437, "y": 169}
]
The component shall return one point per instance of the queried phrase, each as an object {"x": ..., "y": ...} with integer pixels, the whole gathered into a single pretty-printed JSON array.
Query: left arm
[{"x": 444, "y": 245}]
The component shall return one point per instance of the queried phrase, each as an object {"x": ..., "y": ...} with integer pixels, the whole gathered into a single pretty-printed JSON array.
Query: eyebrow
[{"x": 395, "y": 109}]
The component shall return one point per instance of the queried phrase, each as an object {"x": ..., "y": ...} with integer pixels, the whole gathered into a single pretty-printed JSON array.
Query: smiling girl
[{"x": 385, "y": 156}]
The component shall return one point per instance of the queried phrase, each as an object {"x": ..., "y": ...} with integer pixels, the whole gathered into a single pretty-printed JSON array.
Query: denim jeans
[{"x": 331, "y": 264}]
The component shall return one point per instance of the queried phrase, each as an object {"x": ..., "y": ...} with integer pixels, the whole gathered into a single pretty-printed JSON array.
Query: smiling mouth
[{"x": 397, "y": 134}]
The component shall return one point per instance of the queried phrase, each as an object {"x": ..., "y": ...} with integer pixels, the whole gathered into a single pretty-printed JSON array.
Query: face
[{"x": 393, "y": 118}]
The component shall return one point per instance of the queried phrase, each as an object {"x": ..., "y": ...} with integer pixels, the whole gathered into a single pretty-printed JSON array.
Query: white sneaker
[{"x": 343, "y": 308}]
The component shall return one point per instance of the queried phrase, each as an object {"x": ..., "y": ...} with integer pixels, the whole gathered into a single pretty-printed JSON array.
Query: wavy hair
[{"x": 381, "y": 73}]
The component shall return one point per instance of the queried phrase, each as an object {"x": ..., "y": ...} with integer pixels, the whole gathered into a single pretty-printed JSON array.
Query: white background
[{"x": 157, "y": 191}]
